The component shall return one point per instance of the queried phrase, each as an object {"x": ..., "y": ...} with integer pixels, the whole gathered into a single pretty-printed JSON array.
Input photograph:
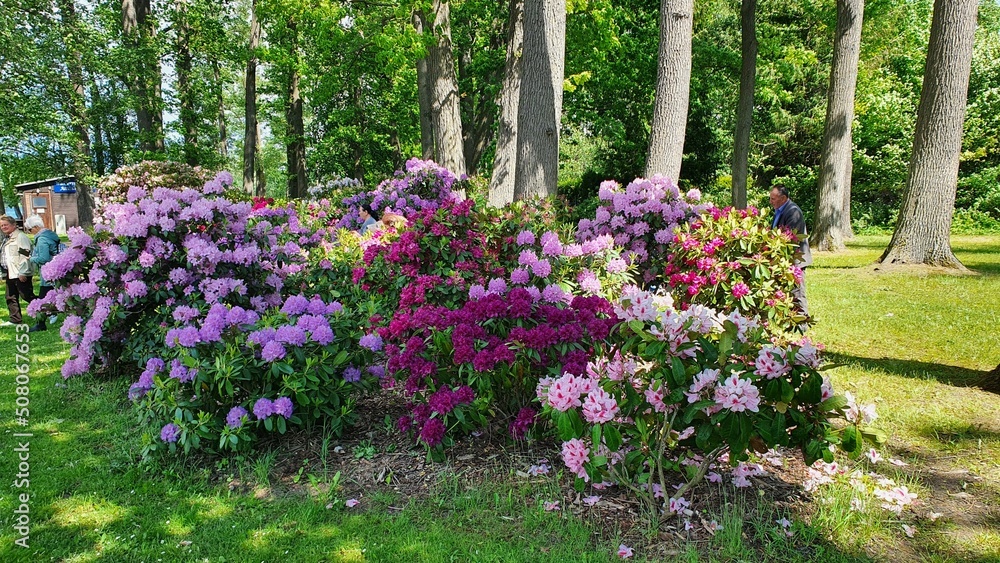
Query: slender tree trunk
[
  {"x": 424, "y": 88},
  {"x": 359, "y": 163},
  {"x": 922, "y": 234},
  {"x": 221, "y": 118},
  {"x": 673, "y": 85},
  {"x": 441, "y": 83},
  {"x": 540, "y": 102},
  {"x": 295, "y": 143},
  {"x": 260, "y": 185},
  {"x": 478, "y": 116},
  {"x": 744, "y": 111},
  {"x": 188, "y": 114},
  {"x": 504, "y": 162},
  {"x": 144, "y": 72},
  {"x": 250, "y": 133},
  {"x": 835, "y": 161},
  {"x": 77, "y": 109}
]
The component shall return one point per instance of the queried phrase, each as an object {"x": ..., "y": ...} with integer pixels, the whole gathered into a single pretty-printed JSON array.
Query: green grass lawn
[{"x": 917, "y": 344}]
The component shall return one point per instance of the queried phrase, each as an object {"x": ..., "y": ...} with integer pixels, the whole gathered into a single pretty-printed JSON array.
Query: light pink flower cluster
[
  {"x": 564, "y": 393},
  {"x": 771, "y": 362},
  {"x": 599, "y": 407},
  {"x": 864, "y": 414},
  {"x": 737, "y": 395},
  {"x": 575, "y": 454}
]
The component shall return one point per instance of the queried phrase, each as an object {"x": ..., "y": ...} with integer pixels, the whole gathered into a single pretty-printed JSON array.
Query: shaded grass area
[{"x": 921, "y": 344}]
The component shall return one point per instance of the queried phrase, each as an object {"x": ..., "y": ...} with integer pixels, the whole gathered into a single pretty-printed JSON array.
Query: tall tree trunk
[
  {"x": 250, "y": 133},
  {"x": 145, "y": 77},
  {"x": 98, "y": 115},
  {"x": 673, "y": 85},
  {"x": 504, "y": 162},
  {"x": 295, "y": 137},
  {"x": 744, "y": 111},
  {"x": 260, "y": 185},
  {"x": 424, "y": 96},
  {"x": 922, "y": 234},
  {"x": 540, "y": 103},
  {"x": 77, "y": 109},
  {"x": 835, "y": 161},
  {"x": 188, "y": 114},
  {"x": 446, "y": 116},
  {"x": 221, "y": 118}
]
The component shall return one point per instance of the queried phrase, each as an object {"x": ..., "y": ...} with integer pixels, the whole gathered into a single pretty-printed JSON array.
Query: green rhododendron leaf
[
  {"x": 833, "y": 403},
  {"x": 812, "y": 389},
  {"x": 595, "y": 434},
  {"x": 636, "y": 326},
  {"x": 850, "y": 441},
  {"x": 877, "y": 436},
  {"x": 726, "y": 342},
  {"x": 788, "y": 392},
  {"x": 612, "y": 437},
  {"x": 704, "y": 434},
  {"x": 677, "y": 372}
]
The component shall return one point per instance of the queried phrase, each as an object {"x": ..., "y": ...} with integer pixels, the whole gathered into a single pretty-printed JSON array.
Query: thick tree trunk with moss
[
  {"x": 835, "y": 161},
  {"x": 922, "y": 234},
  {"x": 673, "y": 86},
  {"x": 744, "y": 112},
  {"x": 536, "y": 171},
  {"x": 505, "y": 159}
]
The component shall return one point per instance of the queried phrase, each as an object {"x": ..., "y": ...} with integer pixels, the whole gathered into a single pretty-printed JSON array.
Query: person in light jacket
[
  {"x": 15, "y": 264},
  {"x": 46, "y": 247}
]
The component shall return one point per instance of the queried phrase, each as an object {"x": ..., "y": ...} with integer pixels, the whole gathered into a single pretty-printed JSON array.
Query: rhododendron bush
[
  {"x": 684, "y": 387},
  {"x": 481, "y": 317},
  {"x": 229, "y": 374},
  {"x": 731, "y": 260},
  {"x": 641, "y": 219},
  {"x": 188, "y": 284}
]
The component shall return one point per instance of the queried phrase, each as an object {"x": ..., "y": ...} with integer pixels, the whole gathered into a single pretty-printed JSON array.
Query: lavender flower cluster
[
  {"x": 641, "y": 219},
  {"x": 423, "y": 184}
]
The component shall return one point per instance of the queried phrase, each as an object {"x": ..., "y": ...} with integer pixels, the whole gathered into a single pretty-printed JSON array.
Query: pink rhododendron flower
[
  {"x": 575, "y": 454},
  {"x": 771, "y": 362},
  {"x": 351, "y": 503},
  {"x": 624, "y": 551},
  {"x": 551, "y": 506},
  {"x": 599, "y": 407}
]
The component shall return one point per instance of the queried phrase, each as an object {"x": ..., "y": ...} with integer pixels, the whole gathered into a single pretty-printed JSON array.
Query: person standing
[
  {"x": 46, "y": 247},
  {"x": 788, "y": 215},
  {"x": 15, "y": 264}
]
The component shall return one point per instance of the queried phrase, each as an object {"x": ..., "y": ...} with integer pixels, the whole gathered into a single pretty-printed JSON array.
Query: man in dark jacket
[{"x": 787, "y": 215}]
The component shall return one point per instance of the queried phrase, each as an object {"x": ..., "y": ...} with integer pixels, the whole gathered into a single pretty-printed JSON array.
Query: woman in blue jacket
[{"x": 46, "y": 247}]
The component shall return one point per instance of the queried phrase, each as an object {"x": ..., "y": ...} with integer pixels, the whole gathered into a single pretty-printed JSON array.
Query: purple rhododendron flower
[
  {"x": 352, "y": 374},
  {"x": 283, "y": 406},
  {"x": 525, "y": 237},
  {"x": 433, "y": 432},
  {"x": 273, "y": 350},
  {"x": 263, "y": 408},
  {"x": 295, "y": 305},
  {"x": 372, "y": 342},
  {"x": 170, "y": 433},
  {"x": 235, "y": 417}
]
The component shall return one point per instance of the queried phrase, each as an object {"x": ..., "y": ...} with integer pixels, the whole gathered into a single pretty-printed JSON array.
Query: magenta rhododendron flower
[{"x": 740, "y": 289}]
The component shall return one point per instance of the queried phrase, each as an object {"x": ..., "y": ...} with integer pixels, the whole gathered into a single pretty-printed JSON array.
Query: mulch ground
[{"x": 374, "y": 457}]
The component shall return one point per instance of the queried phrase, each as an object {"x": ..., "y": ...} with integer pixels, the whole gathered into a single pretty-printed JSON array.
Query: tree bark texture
[
  {"x": 446, "y": 116},
  {"x": 922, "y": 234},
  {"x": 250, "y": 133},
  {"x": 505, "y": 159},
  {"x": 835, "y": 161},
  {"x": 295, "y": 139},
  {"x": 478, "y": 117},
  {"x": 540, "y": 100},
  {"x": 744, "y": 111},
  {"x": 184, "y": 64},
  {"x": 424, "y": 96},
  {"x": 673, "y": 85}
]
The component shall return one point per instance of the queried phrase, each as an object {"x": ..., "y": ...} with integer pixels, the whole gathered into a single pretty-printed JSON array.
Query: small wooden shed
[{"x": 55, "y": 200}]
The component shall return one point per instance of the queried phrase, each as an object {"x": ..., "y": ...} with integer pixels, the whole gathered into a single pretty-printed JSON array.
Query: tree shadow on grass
[{"x": 943, "y": 373}]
